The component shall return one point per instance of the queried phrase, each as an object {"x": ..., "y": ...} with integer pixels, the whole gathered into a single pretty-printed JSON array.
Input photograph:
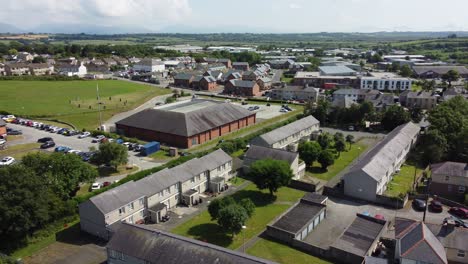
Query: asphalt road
[{"x": 31, "y": 135}]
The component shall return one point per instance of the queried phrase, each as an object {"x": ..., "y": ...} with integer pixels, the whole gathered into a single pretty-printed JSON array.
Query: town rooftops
[
  {"x": 419, "y": 94},
  {"x": 155, "y": 246},
  {"x": 240, "y": 64},
  {"x": 243, "y": 84},
  {"x": 286, "y": 131},
  {"x": 439, "y": 69},
  {"x": 351, "y": 91},
  {"x": 258, "y": 152},
  {"x": 376, "y": 162},
  {"x": 360, "y": 235},
  {"x": 183, "y": 76},
  {"x": 114, "y": 198},
  {"x": 418, "y": 243},
  {"x": 187, "y": 119},
  {"x": 450, "y": 168},
  {"x": 209, "y": 79},
  {"x": 297, "y": 88},
  {"x": 150, "y": 62},
  {"x": 336, "y": 70}
]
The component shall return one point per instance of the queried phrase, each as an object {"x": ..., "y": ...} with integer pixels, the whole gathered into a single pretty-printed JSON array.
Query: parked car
[
  {"x": 351, "y": 128},
  {"x": 84, "y": 134},
  {"x": 379, "y": 216},
  {"x": 458, "y": 221},
  {"x": 7, "y": 161},
  {"x": 86, "y": 156},
  {"x": 419, "y": 205},
  {"x": 73, "y": 151},
  {"x": 459, "y": 211},
  {"x": 62, "y": 130},
  {"x": 105, "y": 184},
  {"x": 44, "y": 140},
  {"x": 436, "y": 206},
  {"x": 62, "y": 149},
  {"x": 69, "y": 133},
  {"x": 48, "y": 144},
  {"x": 282, "y": 110},
  {"x": 96, "y": 186},
  {"x": 98, "y": 138},
  {"x": 14, "y": 132}
]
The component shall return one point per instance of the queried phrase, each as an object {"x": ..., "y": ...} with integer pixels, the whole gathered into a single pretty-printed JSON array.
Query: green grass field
[
  {"x": 281, "y": 253},
  {"x": 402, "y": 182},
  {"x": 19, "y": 151},
  {"x": 340, "y": 163},
  {"x": 201, "y": 227},
  {"x": 73, "y": 101}
]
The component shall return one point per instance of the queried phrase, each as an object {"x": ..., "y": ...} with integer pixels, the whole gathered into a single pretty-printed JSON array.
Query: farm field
[{"x": 74, "y": 102}]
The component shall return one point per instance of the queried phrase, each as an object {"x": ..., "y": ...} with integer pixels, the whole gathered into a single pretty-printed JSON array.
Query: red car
[
  {"x": 105, "y": 184},
  {"x": 436, "y": 206},
  {"x": 460, "y": 212}
]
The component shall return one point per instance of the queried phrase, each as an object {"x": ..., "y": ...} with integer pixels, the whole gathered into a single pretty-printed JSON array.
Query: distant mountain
[
  {"x": 88, "y": 29},
  {"x": 7, "y": 28},
  {"x": 184, "y": 29}
]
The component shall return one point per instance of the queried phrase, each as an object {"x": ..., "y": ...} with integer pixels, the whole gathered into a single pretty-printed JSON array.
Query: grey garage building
[{"x": 299, "y": 220}]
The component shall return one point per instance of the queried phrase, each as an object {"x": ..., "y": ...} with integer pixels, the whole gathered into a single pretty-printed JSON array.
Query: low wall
[
  {"x": 303, "y": 186},
  {"x": 310, "y": 249},
  {"x": 443, "y": 200},
  {"x": 393, "y": 202},
  {"x": 279, "y": 234}
]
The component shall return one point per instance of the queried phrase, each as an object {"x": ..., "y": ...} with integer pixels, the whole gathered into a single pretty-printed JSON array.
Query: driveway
[
  {"x": 341, "y": 213},
  {"x": 357, "y": 134},
  {"x": 31, "y": 135}
]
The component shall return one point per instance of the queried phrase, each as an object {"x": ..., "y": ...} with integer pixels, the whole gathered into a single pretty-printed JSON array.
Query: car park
[
  {"x": 84, "y": 134},
  {"x": 48, "y": 144},
  {"x": 436, "y": 206},
  {"x": 96, "y": 186},
  {"x": 62, "y": 149},
  {"x": 98, "y": 139},
  {"x": 419, "y": 205},
  {"x": 14, "y": 132},
  {"x": 6, "y": 161},
  {"x": 283, "y": 110},
  {"x": 458, "y": 221},
  {"x": 459, "y": 212},
  {"x": 44, "y": 140},
  {"x": 73, "y": 151}
]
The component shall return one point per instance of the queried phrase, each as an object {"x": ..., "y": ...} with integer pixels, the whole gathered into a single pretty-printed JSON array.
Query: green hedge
[{"x": 40, "y": 78}]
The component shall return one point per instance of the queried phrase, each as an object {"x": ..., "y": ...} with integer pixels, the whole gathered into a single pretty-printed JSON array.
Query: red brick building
[
  {"x": 449, "y": 179},
  {"x": 3, "y": 130},
  {"x": 243, "y": 88},
  {"x": 186, "y": 124},
  {"x": 183, "y": 80}
]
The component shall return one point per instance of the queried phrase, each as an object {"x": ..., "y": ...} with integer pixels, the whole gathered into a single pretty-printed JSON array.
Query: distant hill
[{"x": 7, "y": 28}]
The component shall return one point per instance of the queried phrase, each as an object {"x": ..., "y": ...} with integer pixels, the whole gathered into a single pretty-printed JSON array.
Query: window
[
  {"x": 461, "y": 253},
  {"x": 447, "y": 178},
  {"x": 141, "y": 201},
  {"x": 168, "y": 190},
  {"x": 122, "y": 210},
  {"x": 141, "y": 213},
  {"x": 192, "y": 180},
  {"x": 461, "y": 189},
  {"x": 131, "y": 205},
  {"x": 130, "y": 219}
]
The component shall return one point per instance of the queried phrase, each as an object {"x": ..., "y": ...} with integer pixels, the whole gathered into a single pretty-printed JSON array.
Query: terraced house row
[{"x": 150, "y": 198}]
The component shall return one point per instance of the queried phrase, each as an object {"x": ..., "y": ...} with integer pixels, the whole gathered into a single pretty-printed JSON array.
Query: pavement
[{"x": 31, "y": 135}]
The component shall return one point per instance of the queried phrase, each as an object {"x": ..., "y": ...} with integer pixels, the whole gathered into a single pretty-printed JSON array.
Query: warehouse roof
[
  {"x": 162, "y": 247},
  {"x": 187, "y": 123},
  {"x": 439, "y": 69},
  {"x": 336, "y": 70}
]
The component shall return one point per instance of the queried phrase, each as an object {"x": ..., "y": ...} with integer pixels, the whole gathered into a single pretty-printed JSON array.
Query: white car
[
  {"x": 96, "y": 186},
  {"x": 84, "y": 134},
  {"x": 7, "y": 161},
  {"x": 9, "y": 117},
  {"x": 73, "y": 151}
]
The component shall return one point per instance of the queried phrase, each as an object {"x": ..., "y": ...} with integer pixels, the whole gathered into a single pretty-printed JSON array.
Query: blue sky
[{"x": 243, "y": 15}]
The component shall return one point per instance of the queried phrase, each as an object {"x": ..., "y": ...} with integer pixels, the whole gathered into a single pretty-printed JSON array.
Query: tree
[
  {"x": 394, "y": 116},
  {"x": 39, "y": 59},
  {"x": 416, "y": 114},
  {"x": 63, "y": 173},
  {"x": 12, "y": 52},
  {"x": 451, "y": 76},
  {"x": 326, "y": 158},
  {"x": 350, "y": 140},
  {"x": 340, "y": 145},
  {"x": 217, "y": 204},
  {"x": 270, "y": 174},
  {"x": 309, "y": 152},
  {"x": 434, "y": 146},
  {"x": 248, "y": 205},
  {"x": 111, "y": 153},
  {"x": 406, "y": 71},
  {"x": 232, "y": 218},
  {"x": 325, "y": 140},
  {"x": 320, "y": 111}
]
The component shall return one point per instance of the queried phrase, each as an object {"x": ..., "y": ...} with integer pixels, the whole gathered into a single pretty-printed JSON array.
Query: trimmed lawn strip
[
  {"x": 18, "y": 151},
  {"x": 282, "y": 253},
  {"x": 340, "y": 163},
  {"x": 201, "y": 227},
  {"x": 402, "y": 182},
  {"x": 122, "y": 169}
]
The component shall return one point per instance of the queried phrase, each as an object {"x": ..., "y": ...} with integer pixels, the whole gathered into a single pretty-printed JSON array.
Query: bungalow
[
  {"x": 288, "y": 136},
  {"x": 138, "y": 244},
  {"x": 368, "y": 178},
  {"x": 449, "y": 179},
  {"x": 183, "y": 80},
  {"x": 17, "y": 69},
  {"x": 243, "y": 88},
  {"x": 41, "y": 69},
  {"x": 150, "y": 198},
  {"x": 73, "y": 70},
  {"x": 256, "y": 153},
  {"x": 241, "y": 66}
]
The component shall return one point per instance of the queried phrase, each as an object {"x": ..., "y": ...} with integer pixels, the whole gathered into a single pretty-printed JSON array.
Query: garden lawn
[
  {"x": 73, "y": 101},
  {"x": 282, "y": 253},
  {"x": 403, "y": 181},
  {"x": 340, "y": 163},
  {"x": 201, "y": 227},
  {"x": 18, "y": 151}
]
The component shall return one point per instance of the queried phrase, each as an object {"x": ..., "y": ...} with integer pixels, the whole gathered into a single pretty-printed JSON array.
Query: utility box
[
  {"x": 150, "y": 148},
  {"x": 173, "y": 152}
]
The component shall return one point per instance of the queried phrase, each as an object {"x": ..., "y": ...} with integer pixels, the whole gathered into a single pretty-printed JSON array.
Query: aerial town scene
[{"x": 233, "y": 132}]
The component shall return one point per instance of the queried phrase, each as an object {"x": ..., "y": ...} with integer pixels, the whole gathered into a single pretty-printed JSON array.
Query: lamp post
[{"x": 243, "y": 237}]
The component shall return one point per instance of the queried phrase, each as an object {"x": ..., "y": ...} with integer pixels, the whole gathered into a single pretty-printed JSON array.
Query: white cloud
[{"x": 294, "y": 6}]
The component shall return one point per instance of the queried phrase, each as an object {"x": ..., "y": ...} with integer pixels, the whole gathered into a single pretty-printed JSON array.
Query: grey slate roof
[
  {"x": 297, "y": 217},
  {"x": 450, "y": 168},
  {"x": 359, "y": 236},
  {"x": 183, "y": 76},
  {"x": 241, "y": 83},
  {"x": 157, "y": 246},
  {"x": 186, "y": 124},
  {"x": 117, "y": 197},
  {"x": 419, "y": 243},
  {"x": 439, "y": 69},
  {"x": 376, "y": 162},
  {"x": 209, "y": 79},
  {"x": 259, "y": 152},
  {"x": 240, "y": 64},
  {"x": 286, "y": 131},
  {"x": 336, "y": 70},
  {"x": 450, "y": 238}
]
